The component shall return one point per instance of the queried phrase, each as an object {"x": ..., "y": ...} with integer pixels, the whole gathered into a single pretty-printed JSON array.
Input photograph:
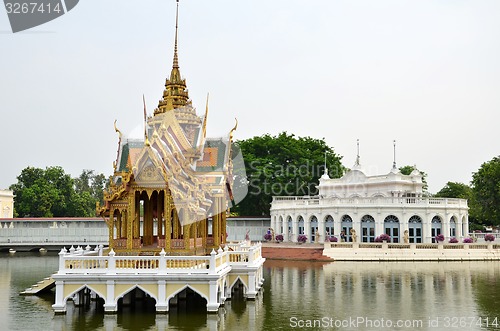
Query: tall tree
[
  {"x": 283, "y": 165},
  {"x": 486, "y": 191}
]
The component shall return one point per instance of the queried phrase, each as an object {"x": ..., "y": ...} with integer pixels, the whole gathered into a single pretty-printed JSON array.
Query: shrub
[
  {"x": 332, "y": 239},
  {"x": 268, "y": 236},
  {"x": 453, "y": 240},
  {"x": 468, "y": 240},
  {"x": 489, "y": 237},
  {"x": 383, "y": 237},
  {"x": 439, "y": 238},
  {"x": 279, "y": 237},
  {"x": 302, "y": 238}
]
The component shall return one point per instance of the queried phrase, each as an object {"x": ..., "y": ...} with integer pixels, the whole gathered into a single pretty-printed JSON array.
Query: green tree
[
  {"x": 407, "y": 170},
  {"x": 462, "y": 191},
  {"x": 455, "y": 190},
  {"x": 486, "y": 192},
  {"x": 42, "y": 193},
  {"x": 50, "y": 192},
  {"x": 283, "y": 165}
]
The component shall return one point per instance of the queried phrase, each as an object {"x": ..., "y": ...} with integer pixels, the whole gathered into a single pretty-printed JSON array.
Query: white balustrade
[{"x": 87, "y": 262}]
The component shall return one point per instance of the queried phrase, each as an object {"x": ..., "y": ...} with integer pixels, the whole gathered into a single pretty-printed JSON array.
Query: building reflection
[{"x": 372, "y": 290}]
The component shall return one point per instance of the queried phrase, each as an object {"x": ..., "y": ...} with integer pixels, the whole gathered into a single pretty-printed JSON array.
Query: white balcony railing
[
  {"x": 289, "y": 201},
  {"x": 79, "y": 262}
]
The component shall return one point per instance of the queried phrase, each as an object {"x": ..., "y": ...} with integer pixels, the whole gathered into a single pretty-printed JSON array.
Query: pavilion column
[
  {"x": 118, "y": 225},
  {"x": 215, "y": 229},
  {"x": 223, "y": 220},
  {"x": 186, "y": 231},
  {"x": 159, "y": 214},
  {"x": 130, "y": 220},
  {"x": 175, "y": 220},
  {"x": 168, "y": 220},
  {"x": 137, "y": 217}
]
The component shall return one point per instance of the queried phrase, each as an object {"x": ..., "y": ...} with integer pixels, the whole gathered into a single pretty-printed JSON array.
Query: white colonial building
[
  {"x": 6, "y": 204},
  {"x": 370, "y": 205}
]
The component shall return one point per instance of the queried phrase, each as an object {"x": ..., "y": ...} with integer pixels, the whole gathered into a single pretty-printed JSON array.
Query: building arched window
[
  {"x": 329, "y": 226},
  {"x": 453, "y": 226},
  {"x": 314, "y": 229},
  {"x": 391, "y": 228},
  {"x": 415, "y": 229},
  {"x": 346, "y": 225},
  {"x": 435, "y": 227},
  {"x": 300, "y": 221},
  {"x": 367, "y": 228}
]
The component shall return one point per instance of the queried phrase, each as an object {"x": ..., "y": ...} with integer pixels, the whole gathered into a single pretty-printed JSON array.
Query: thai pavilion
[
  {"x": 166, "y": 213},
  {"x": 362, "y": 207}
]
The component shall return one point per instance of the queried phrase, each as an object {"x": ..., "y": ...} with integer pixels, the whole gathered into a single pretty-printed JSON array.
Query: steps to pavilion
[
  {"x": 44, "y": 285},
  {"x": 293, "y": 251}
]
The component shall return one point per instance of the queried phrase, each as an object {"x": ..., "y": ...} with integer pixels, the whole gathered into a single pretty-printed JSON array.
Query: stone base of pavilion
[
  {"x": 412, "y": 252},
  {"x": 164, "y": 278}
]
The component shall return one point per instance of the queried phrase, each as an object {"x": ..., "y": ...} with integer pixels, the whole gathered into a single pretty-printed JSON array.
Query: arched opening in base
[
  {"x": 136, "y": 301},
  {"x": 187, "y": 300}
]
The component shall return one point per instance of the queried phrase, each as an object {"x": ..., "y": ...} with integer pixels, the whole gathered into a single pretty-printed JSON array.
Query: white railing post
[
  {"x": 112, "y": 262},
  {"x": 251, "y": 255},
  {"x": 62, "y": 265},
  {"x": 163, "y": 262},
  {"x": 212, "y": 261}
]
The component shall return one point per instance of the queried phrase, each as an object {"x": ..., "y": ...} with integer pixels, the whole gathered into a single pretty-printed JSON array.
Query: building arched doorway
[
  {"x": 453, "y": 226},
  {"x": 436, "y": 226},
  {"x": 329, "y": 231},
  {"x": 367, "y": 229},
  {"x": 346, "y": 225},
  {"x": 415, "y": 229},
  {"x": 391, "y": 228},
  {"x": 314, "y": 229},
  {"x": 300, "y": 221}
]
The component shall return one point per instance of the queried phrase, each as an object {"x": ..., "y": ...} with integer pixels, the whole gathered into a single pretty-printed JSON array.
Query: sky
[{"x": 425, "y": 73}]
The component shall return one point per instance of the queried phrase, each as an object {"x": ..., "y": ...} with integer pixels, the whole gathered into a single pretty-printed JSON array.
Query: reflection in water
[{"x": 301, "y": 290}]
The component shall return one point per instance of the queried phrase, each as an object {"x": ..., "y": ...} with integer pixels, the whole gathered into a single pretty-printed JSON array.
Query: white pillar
[
  {"x": 162, "y": 304},
  {"x": 307, "y": 229},
  {"x": 110, "y": 306},
  {"x": 212, "y": 304},
  {"x": 321, "y": 229},
  {"x": 59, "y": 306}
]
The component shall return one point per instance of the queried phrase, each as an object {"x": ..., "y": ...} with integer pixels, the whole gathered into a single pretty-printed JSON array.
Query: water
[{"x": 331, "y": 296}]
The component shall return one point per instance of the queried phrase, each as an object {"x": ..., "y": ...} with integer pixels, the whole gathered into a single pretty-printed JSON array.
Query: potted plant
[
  {"x": 268, "y": 237},
  {"x": 439, "y": 238},
  {"x": 489, "y": 237},
  {"x": 279, "y": 238},
  {"x": 301, "y": 238},
  {"x": 453, "y": 240},
  {"x": 468, "y": 240}
]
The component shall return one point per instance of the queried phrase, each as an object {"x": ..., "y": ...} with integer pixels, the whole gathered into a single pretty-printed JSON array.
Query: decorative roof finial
[
  {"x": 326, "y": 169},
  {"x": 205, "y": 119},
  {"x": 357, "y": 156},
  {"x": 394, "y": 161},
  {"x": 176, "y": 59},
  {"x": 146, "y": 140}
]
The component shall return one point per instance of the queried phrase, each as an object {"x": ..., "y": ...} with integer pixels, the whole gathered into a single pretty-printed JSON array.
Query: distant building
[
  {"x": 392, "y": 203},
  {"x": 6, "y": 204}
]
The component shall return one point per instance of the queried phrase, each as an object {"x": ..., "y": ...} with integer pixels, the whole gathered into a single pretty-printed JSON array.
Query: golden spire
[
  {"x": 175, "y": 94},
  {"x": 176, "y": 58}
]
